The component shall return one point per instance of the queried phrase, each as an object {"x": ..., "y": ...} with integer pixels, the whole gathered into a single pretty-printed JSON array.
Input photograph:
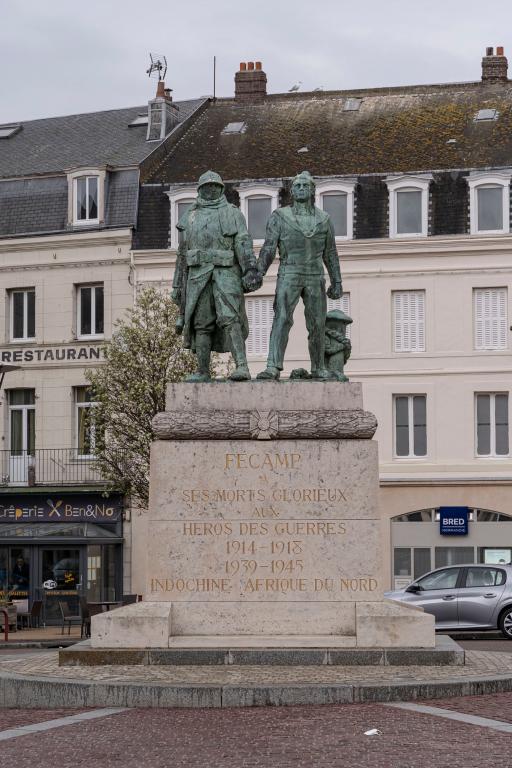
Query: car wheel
[{"x": 506, "y": 623}]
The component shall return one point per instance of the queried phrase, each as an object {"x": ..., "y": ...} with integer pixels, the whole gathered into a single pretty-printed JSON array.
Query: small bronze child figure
[{"x": 337, "y": 346}]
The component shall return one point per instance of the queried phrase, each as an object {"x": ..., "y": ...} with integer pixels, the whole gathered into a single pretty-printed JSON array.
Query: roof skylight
[
  {"x": 141, "y": 119},
  {"x": 234, "y": 128},
  {"x": 486, "y": 114},
  {"x": 6, "y": 131},
  {"x": 352, "y": 105}
]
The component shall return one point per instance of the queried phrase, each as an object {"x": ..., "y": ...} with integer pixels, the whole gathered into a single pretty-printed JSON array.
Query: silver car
[{"x": 464, "y": 597}]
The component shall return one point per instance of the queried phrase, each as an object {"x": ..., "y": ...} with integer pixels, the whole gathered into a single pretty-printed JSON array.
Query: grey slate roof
[{"x": 53, "y": 144}]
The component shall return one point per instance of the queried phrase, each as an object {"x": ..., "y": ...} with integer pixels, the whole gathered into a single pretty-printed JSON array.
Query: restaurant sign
[
  {"x": 74, "y": 353},
  {"x": 63, "y": 508}
]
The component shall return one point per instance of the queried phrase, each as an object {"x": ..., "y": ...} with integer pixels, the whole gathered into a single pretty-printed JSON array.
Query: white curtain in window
[
  {"x": 409, "y": 321},
  {"x": 260, "y": 313},
  {"x": 490, "y": 307}
]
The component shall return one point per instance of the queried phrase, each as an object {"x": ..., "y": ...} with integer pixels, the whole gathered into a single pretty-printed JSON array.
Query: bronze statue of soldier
[
  {"x": 215, "y": 265},
  {"x": 305, "y": 238}
]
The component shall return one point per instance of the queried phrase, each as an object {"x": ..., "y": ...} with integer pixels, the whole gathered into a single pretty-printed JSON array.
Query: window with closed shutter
[
  {"x": 344, "y": 304},
  {"x": 409, "y": 321},
  {"x": 260, "y": 313},
  {"x": 490, "y": 312}
]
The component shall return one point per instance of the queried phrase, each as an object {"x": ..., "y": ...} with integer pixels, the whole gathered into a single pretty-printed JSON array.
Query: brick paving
[
  {"x": 45, "y": 664},
  {"x": 295, "y": 737},
  {"x": 496, "y": 706}
]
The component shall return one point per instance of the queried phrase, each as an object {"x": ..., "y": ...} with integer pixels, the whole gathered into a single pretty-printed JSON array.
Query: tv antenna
[{"x": 158, "y": 66}]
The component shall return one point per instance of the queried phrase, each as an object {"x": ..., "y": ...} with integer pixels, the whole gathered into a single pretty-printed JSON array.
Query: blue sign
[{"x": 453, "y": 521}]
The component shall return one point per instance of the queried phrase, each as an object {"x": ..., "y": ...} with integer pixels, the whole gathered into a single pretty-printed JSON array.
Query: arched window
[
  {"x": 489, "y": 203},
  {"x": 180, "y": 201},
  {"x": 257, "y": 203},
  {"x": 408, "y": 205},
  {"x": 337, "y": 199}
]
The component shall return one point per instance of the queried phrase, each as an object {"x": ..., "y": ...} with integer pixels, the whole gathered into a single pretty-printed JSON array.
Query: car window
[
  {"x": 446, "y": 579},
  {"x": 485, "y": 577}
]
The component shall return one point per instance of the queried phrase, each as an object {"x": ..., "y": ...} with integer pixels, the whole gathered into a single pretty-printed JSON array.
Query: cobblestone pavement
[
  {"x": 294, "y": 737},
  {"x": 478, "y": 663}
]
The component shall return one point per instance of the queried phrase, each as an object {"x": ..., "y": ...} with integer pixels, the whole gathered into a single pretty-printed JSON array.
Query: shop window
[
  {"x": 492, "y": 430},
  {"x": 342, "y": 303},
  {"x": 15, "y": 573},
  {"x": 489, "y": 201},
  {"x": 410, "y": 425},
  {"x": 337, "y": 199},
  {"x": 260, "y": 314},
  {"x": 453, "y": 556},
  {"x": 409, "y": 321},
  {"x": 85, "y": 427},
  {"x": 495, "y": 555},
  {"x": 490, "y": 315},
  {"x": 421, "y": 561},
  {"x": 90, "y": 305},
  {"x": 402, "y": 562},
  {"x": 23, "y": 314},
  {"x": 408, "y": 206}
]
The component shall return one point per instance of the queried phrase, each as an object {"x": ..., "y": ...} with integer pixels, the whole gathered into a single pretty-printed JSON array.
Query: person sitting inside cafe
[{"x": 20, "y": 575}]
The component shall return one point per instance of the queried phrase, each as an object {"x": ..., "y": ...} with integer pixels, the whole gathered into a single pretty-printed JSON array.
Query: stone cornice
[{"x": 74, "y": 239}]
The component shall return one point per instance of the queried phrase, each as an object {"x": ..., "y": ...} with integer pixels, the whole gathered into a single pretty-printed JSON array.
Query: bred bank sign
[{"x": 453, "y": 521}]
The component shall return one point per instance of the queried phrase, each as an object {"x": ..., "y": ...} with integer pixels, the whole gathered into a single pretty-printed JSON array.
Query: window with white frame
[
  {"x": 410, "y": 425},
  {"x": 23, "y": 314},
  {"x": 491, "y": 423},
  {"x": 84, "y": 423},
  {"x": 490, "y": 315},
  {"x": 337, "y": 199},
  {"x": 409, "y": 321},
  {"x": 86, "y": 196},
  {"x": 489, "y": 203},
  {"x": 257, "y": 203},
  {"x": 260, "y": 313},
  {"x": 90, "y": 311},
  {"x": 179, "y": 202},
  {"x": 342, "y": 303},
  {"x": 408, "y": 206}
]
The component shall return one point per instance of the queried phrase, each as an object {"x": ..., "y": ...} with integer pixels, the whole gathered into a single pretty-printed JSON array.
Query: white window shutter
[
  {"x": 260, "y": 313},
  {"x": 344, "y": 304},
  {"x": 490, "y": 312},
  {"x": 409, "y": 321}
]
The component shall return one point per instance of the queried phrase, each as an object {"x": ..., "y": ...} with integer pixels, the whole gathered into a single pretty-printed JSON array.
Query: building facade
[{"x": 417, "y": 182}]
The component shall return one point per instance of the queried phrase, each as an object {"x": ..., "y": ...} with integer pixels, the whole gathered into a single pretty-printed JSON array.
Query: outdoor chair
[
  {"x": 33, "y": 616},
  {"x": 68, "y": 618}
]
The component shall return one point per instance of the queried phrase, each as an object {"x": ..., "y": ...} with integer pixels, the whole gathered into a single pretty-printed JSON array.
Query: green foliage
[{"x": 145, "y": 354}]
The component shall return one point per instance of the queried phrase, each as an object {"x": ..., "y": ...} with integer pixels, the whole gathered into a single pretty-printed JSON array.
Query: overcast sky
[{"x": 67, "y": 56}]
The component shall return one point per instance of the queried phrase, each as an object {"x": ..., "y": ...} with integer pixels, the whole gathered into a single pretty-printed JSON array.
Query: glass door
[
  {"x": 60, "y": 578},
  {"x": 21, "y": 434}
]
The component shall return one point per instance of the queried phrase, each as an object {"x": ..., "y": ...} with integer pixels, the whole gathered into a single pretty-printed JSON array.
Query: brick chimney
[
  {"x": 250, "y": 82},
  {"x": 162, "y": 113},
  {"x": 494, "y": 67}
]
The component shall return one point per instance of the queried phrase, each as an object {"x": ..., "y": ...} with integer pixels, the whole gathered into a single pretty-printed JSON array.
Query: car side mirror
[{"x": 414, "y": 588}]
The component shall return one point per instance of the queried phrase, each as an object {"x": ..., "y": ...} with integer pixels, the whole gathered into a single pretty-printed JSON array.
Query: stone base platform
[
  {"x": 268, "y": 653},
  {"x": 39, "y": 682}
]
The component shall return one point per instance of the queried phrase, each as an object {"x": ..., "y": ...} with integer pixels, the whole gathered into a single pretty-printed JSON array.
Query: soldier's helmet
[{"x": 210, "y": 177}]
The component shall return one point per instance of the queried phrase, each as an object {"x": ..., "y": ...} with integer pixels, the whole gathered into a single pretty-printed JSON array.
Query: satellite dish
[{"x": 50, "y": 584}]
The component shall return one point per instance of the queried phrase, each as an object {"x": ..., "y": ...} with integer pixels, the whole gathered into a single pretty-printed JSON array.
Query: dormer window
[
  {"x": 86, "y": 197},
  {"x": 408, "y": 206},
  {"x": 180, "y": 201},
  {"x": 257, "y": 203},
  {"x": 337, "y": 199},
  {"x": 489, "y": 202}
]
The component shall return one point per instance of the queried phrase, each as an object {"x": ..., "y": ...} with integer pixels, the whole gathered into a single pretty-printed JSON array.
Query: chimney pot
[
  {"x": 258, "y": 66},
  {"x": 243, "y": 66},
  {"x": 250, "y": 65},
  {"x": 160, "y": 89},
  {"x": 250, "y": 82},
  {"x": 494, "y": 67}
]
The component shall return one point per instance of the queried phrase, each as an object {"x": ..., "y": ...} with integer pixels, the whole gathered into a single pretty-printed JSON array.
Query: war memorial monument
[{"x": 264, "y": 527}]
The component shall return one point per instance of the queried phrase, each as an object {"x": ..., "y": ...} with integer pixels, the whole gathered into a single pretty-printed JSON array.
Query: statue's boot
[
  {"x": 269, "y": 374},
  {"x": 323, "y": 374},
  {"x": 241, "y": 372},
  {"x": 203, "y": 351}
]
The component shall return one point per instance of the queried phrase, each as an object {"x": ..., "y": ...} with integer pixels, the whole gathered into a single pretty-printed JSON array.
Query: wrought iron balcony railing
[{"x": 47, "y": 466}]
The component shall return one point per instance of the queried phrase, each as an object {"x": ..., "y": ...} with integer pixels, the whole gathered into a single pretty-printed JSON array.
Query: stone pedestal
[{"x": 264, "y": 527}]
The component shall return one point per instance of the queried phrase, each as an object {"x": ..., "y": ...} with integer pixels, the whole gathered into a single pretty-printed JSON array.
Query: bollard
[{"x": 6, "y": 623}]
